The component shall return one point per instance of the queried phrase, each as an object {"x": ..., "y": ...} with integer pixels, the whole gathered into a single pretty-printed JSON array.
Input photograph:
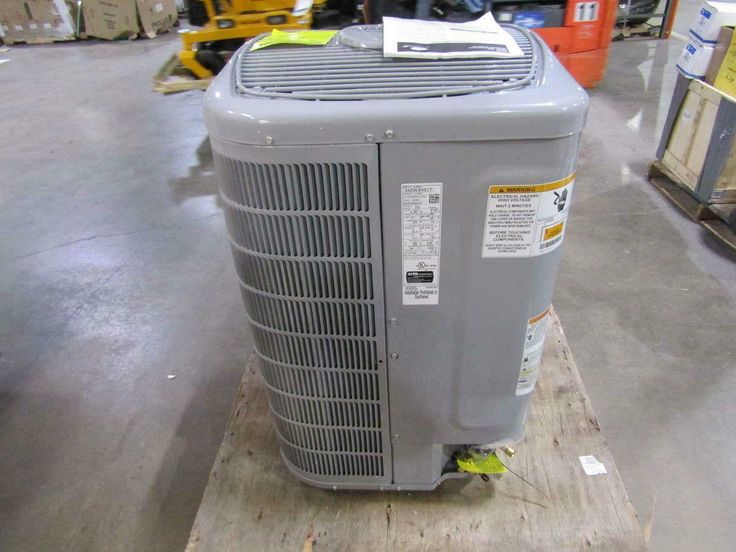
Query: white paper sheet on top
[{"x": 482, "y": 38}]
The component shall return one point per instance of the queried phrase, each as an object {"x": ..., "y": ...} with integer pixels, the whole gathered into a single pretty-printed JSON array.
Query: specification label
[
  {"x": 536, "y": 331},
  {"x": 421, "y": 226},
  {"x": 524, "y": 221}
]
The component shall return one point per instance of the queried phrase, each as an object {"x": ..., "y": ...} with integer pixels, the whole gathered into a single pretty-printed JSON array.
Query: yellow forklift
[{"x": 227, "y": 23}]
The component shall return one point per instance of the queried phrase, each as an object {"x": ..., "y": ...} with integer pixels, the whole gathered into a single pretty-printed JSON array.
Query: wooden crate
[{"x": 698, "y": 145}]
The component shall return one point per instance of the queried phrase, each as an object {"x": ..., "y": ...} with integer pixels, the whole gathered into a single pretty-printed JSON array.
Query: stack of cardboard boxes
[
  {"x": 40, "y": 21},
  {"x": 710, "y": 52},
  {"x": 37, "y": 21},
  {"x": 113, "y": 19}
]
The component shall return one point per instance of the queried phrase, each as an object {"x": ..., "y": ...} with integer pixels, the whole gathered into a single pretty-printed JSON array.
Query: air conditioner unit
[{"x": 395, "y": 225}]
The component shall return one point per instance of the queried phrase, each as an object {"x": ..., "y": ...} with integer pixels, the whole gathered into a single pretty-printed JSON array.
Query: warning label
[
  {"x": 524, "y": 221},
  {"x": 536, "y": 331},
  {"x": 421, "y": 225}
]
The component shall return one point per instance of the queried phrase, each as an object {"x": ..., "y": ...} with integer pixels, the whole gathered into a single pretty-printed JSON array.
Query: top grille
[{"x": 339, "y": 72}]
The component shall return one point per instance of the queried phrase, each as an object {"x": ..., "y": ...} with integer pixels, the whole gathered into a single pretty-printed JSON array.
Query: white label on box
[
  {"x": 694, "y": 59},
  {"x": 586, "y": 11},
  {"x": 701, "y": 24},
  {"x": 159, "y": 7},
  {"x": 526, "y": 220},
  {"x": 19, "y": 27},
  {"x": 33, "y": 26},
  {"x": 709, "y": 20},
  {"x": 47, "y": 25},
  {"x": 536, "y": 331},
  {"x": 421, "y": 229}
]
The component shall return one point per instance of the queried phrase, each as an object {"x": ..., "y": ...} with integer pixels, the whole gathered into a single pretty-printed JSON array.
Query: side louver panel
[{"x": 306, "y": 242}]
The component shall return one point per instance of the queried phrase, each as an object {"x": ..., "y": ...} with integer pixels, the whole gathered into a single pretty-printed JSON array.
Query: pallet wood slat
[
  {"x": 173, "y": 78},
  {"x": 252, "y": 503},
  {"x": 712, "y": 217}
]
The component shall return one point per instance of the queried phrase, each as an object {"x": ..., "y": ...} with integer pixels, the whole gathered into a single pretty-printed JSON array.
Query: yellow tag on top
[
  {"x": 473, "y": 462},
  {"x": 305, "y": 38}
]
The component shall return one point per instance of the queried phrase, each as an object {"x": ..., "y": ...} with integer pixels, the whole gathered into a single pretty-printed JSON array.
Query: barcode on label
[
  {"x": 434, "y": 198},
  {"x": 550, "y": 243}
]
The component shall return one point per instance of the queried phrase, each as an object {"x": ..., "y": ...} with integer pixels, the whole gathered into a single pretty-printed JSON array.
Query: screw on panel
[
  {"x": 389, "y": 133},
  {"x": 368, "y": 137},
  {"x": 396, "y": 436},
  {"x": 393, "y": 321},
  {"x": 394, "y": 356},
  {"x": 269, "y": 140}
]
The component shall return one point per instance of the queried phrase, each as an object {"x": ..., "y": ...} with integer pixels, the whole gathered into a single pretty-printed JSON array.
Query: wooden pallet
[
  {"x": 39, "y": 40},
  {"x": 713, "y": 217},
  {"x": 252, "y": 502},
  {"x": 173, "y": 77}
]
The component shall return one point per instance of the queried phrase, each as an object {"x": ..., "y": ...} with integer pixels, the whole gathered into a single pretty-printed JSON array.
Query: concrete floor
[{"x": 115, "y": 274}]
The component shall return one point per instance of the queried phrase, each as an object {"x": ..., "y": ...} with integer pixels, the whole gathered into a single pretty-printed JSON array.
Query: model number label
[{"x": 421, "y": 230}]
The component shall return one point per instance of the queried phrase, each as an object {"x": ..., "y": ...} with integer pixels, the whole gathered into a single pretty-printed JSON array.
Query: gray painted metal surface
[{"x": 365, "y": 390}]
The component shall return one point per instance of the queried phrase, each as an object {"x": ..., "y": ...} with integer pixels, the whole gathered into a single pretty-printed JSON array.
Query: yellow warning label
[
  {"x": 553, "y": 231},
  {"x": 526, "y": 220},
  {"x": 532, "y": 188}
]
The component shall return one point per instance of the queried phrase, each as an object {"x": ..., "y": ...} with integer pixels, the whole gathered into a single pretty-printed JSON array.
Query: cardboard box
[
  {"x": 157, "y": 16},
  {"x": 110, "y": 19},
  {"x": 719, "y": 52},
  {"x": 711, "y": 17},
  {"x": 725, "y": 80},
  {"x": 37, "y": 21},
  {"x": 694, "y": 59},
  {"x": 121, "y": 19}
]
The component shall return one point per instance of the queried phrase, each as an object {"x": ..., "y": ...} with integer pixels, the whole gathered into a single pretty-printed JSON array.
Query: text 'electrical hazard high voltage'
[{"x": 526, "y": 220}]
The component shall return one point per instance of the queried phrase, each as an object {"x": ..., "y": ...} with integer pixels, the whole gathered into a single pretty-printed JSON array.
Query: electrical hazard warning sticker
[
  {"x": 536, "y": 331},
  {"x": 526, "y": 220},
  {"x": 421, "y": 226}
]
